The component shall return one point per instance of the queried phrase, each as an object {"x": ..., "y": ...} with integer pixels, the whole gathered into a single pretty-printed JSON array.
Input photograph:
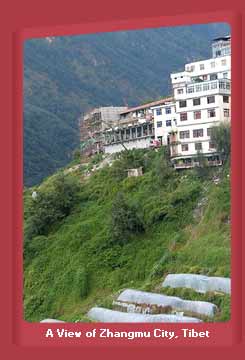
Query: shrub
[
  {"x": 221, "y": 137},
  {"x": 51, "y": 205},
  {"x": 124, "y": 220}
]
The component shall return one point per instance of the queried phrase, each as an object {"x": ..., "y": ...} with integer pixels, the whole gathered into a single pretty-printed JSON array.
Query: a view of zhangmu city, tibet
[{"x": 136, "y": 228}]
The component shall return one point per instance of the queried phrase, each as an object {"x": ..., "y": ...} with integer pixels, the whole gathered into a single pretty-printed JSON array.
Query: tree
[{"x": 221, "y": 138}]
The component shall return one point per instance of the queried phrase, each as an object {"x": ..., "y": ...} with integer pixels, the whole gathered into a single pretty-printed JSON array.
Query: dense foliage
[
  {"x": 68, "y": 75},
  {"x": 171, "y": 222},
  {"x": 221, "y": 137}
]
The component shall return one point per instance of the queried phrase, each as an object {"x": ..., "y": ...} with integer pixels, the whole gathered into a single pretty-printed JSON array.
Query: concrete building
[
  {"x": 134, "y": 129},
  {"x": 202, "y": 100},
  {"x": 164, "y": 120},
  {"x": 92, "y": 126}
]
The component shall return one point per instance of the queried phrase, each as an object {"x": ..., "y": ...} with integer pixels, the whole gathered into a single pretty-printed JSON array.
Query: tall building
[{"x": 202, "y": 100}]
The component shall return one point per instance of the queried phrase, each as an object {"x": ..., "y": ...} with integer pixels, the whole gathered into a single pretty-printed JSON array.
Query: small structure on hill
[{"x": 135, "y": 172}]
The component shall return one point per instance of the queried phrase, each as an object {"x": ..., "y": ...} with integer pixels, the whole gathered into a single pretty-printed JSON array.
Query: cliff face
[{"x": 66, "y": 76}]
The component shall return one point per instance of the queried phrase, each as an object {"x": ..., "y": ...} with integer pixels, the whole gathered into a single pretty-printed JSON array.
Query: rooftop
[
  {"x": 150, "y": 104},
  {"x": 225, "y": 38}
]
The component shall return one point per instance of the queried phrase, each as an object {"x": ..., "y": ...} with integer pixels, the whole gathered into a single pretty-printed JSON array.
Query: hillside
[
  {"x": 65, "y": 76},
  {"x": 87, "y": 237}
]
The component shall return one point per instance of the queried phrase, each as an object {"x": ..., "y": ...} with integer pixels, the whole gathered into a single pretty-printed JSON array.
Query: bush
[
  {"x": 221, "y": 137},
  {"x": 51, "y": 205},
  {"x": 124, "y": 220}
]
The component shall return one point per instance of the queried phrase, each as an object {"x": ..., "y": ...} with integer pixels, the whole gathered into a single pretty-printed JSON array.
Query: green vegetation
[
  {"x": 82, "y": 255},
  {"x": 221, "y": 137},
  {"x": 72, "y": 74}
]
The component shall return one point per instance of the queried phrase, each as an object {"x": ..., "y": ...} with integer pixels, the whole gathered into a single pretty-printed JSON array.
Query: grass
[{"x": 77, "y": 264}]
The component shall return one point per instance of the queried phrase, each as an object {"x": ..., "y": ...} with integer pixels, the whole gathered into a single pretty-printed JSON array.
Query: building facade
[
  {"x": 164, "y": 120},
  {"x": 92, "y": 126},
  {"x": 135, "y": 128},
  {"x": 202, "y": 100}
]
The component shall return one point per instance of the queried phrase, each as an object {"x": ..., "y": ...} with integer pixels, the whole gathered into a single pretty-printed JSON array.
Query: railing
[
  {"x": 196, "y": 164},
  {"x": 138, "y": 119}
]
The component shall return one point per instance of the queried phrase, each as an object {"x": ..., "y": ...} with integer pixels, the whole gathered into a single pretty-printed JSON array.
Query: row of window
[
  {"x": 168, "y": 123},
  {"x": 198, "y": 114},
  {"x": 168, "y": 110},
  {"x": 198, "y": 146},
  {"x": 212, "y": 64},
  {"x": 221, "y": 84},
  {"x": 196, "y": 133},
  {"x": 197, "y": 101}
]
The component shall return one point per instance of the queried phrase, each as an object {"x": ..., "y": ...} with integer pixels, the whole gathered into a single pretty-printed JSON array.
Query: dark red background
[{"x": 23, "y": 19}]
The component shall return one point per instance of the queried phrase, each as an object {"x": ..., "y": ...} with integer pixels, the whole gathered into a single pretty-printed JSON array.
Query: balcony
[{"x": 222, "y": 86}]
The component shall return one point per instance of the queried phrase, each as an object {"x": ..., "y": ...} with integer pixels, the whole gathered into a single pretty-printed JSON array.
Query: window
[
  {"x": 159, "y": 124},
  {"x": 168, "y": 123},
  {"x": 223, "y": 62},
  {"x": 225, "y": 75},
  {"x": 213, "y": 77},
  {"x": 168, "y": 110},
  {"x": 183, "y": 116},
  {"x": 202, "y": 66},
  {"x": 211, "y": 113},
  {"x": 184, "y": 147},
  {"x": 210, "y": 99},
  {"x": 211, "y": 145},
  {"x": 198, "y": 146},
  {"x": 192, "y": 68},
  {"x": 212, "y": 64},
  {"x": 184, "y": 134},
  {"x": 190, "y": 89},
  {"x": 214, "y": 85},
  {"x": 226, "y": 112},
  {"x": 182, "y": 103},
  {"x": 205, "y": 77},
  {"x": 198, "y": 87},
  {"x": 209, "y": 131},
  {"x": 180, "y": 91},
  {"x": 159, "y": 111},
  {"x": 205, "y": 87},
  {"x": 196, "y": 101},
  {"x": 198, "y": 133},
  {"x": 226, "y": 99},
  {"x": 197, "y": 115}
]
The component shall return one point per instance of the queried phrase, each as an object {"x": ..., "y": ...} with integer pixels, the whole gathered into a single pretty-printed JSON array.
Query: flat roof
[
  {"x": 227, "y": 37},
  {"x": 145, "y": 106}
]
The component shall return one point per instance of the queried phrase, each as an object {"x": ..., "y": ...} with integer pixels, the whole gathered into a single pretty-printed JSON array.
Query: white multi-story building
[
  {"x": 202, "y": 101},
  {"x": 164, "y": 120}
]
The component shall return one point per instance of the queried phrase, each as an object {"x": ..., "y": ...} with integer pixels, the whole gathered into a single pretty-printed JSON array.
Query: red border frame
[{"x": 226, "y": 337}]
